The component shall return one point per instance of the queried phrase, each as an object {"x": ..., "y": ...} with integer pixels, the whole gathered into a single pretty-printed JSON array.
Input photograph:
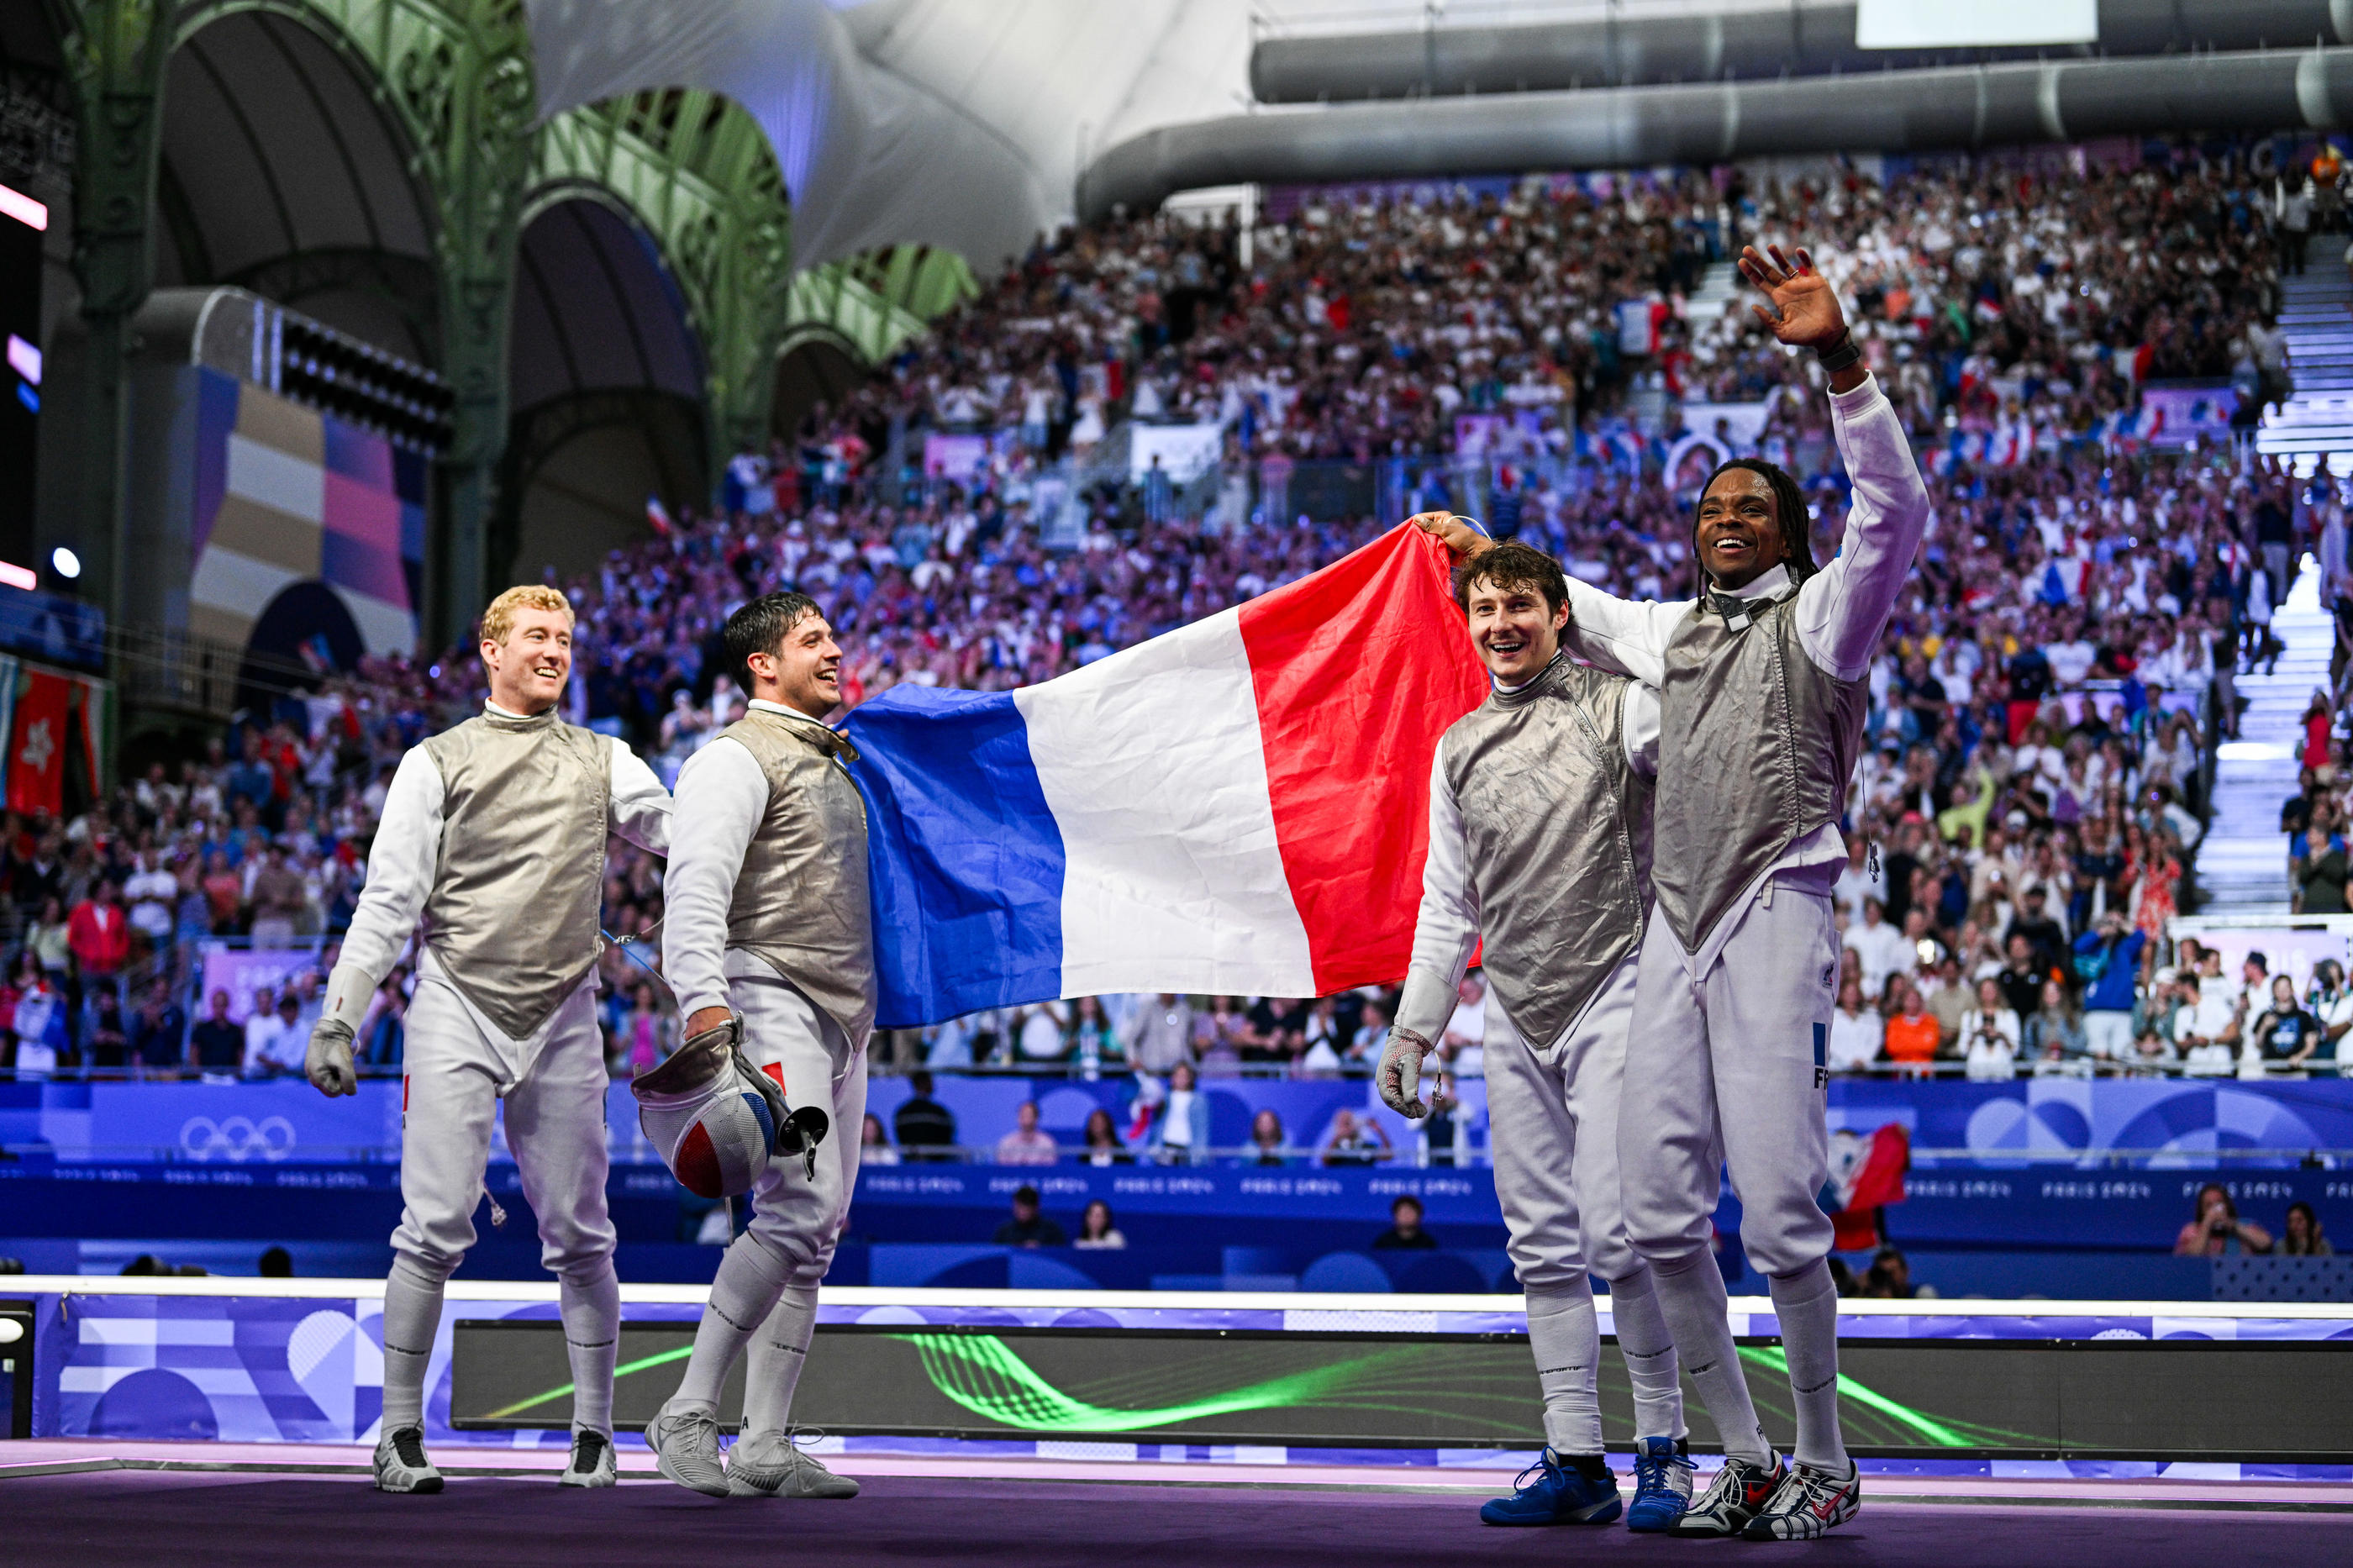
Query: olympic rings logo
[{"x": 237, "y": 1139}]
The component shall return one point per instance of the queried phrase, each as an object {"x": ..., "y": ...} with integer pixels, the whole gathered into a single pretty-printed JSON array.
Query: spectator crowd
[{"x": 2043, "y": 708}]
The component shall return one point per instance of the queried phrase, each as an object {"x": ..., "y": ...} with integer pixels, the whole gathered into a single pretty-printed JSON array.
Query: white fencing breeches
[
  {"x": 450, "y": 1087},
  {"x": 1728, "y": 1069},
  {"x": 1552, "y": 1126},
  {"x": 800, "y": 1214}
]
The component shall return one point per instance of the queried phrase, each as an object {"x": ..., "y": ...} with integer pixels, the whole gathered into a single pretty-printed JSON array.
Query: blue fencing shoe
[
  {"x": 1552, "y": 1491},
  {"x": 1662, "y": 1484}
]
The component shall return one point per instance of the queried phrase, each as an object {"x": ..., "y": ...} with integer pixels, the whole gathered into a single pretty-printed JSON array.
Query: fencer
[
  {"x": 494, "y": 832},
  {"x": 770, "y": 945},
  {"x": 1763, "y": 691},
  {"x": 1540, "y": 847}
]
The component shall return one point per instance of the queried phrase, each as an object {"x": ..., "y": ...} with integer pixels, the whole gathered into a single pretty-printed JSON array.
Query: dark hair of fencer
[
  {"x": 1512, "y": 566},
  {"x": 760, "y": 628},
  {"x": 1789, "y": 514}
]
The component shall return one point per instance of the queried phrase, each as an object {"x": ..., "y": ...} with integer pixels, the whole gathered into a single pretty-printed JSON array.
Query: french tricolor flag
[{"x": 1240, "y": 806}]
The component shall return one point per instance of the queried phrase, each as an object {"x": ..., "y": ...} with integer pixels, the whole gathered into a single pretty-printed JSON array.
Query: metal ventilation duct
[
  {"x": 1806, "y": 37},
  {"x": 1891, "y": 112}
]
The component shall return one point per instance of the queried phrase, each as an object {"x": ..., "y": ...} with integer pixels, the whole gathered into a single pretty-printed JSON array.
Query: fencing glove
[
  {"x": 328, "y": 1061},
  {"x": 1400, "y": 1073}
]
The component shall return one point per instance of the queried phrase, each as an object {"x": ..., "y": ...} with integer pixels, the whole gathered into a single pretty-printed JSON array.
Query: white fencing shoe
[
  {"x": 592, "y": 1462},
  {"x": 401, "y": 1465},
  {"x": 769, "y": 1464},
  {"x": 685, "y": 1441}
]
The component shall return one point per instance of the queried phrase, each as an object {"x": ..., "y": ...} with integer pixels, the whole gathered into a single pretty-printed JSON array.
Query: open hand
[{"x": 1805, "y": 312}]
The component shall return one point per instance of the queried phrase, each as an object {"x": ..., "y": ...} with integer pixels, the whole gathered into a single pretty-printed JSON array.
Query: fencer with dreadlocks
[
  {"x": 769, "y": 943},
  {"x": 1762, "y": 694},
  {"x": 1540, "y": 847},
  {"x": 494, "y": 832}
]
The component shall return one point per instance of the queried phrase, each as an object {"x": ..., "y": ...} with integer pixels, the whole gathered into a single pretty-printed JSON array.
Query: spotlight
[{"x": 68, "y": 564}]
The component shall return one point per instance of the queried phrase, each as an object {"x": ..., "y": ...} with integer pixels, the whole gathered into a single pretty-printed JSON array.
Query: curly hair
[
  {"x": 1512, "y": 566},
  {"x": 498, "y": 621}
]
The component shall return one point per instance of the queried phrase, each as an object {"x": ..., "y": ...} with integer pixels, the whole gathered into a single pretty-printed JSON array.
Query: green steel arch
[
  {"x": 696, "y": 172},
  {"x": 692, "y": 168}
]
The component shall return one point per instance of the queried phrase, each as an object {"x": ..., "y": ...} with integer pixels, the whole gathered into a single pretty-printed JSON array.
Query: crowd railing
[
  {"x": 1941, "y": 1067},
  {"x": 1073, "y": 1156}
]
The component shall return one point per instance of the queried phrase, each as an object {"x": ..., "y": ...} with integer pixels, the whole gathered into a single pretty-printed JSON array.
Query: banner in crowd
[
  {"x": 37, "y": 743},
  {"x": 2176, "y": 415},
  {"x": 1240, "y": 806},
  {"x": 47, "y": 716},
  {"x": 1184, "y": 450},
  {"x": 244, "y": 970},
  {"x": 959, "y": 459}
]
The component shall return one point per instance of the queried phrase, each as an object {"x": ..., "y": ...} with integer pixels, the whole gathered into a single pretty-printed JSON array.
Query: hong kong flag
[{"x": 36, "y": 745}]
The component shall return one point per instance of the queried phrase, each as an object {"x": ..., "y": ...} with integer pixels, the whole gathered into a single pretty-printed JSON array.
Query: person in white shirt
[
  {"x": 769, "y": 935},
  {"x": 1883, "y": 949},
  {"x": 1857, "y": 1032},
  {"x": 493, "y": 834},
  {"x": 2331, "y": 1002},
  {"x": 2206, "y": 1030},
  {"x": 150, "y": 892},
  {"x": 285, "y": 1052},
  {"x": 1042, "y": 1038},
  {"x": 1990, "y": 1035},
  {"x": 261, "y": 1031},
  {"x": 1859, "y": 882}
]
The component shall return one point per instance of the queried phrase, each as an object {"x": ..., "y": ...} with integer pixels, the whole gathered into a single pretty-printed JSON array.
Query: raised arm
[
  {"x": 1625, "y": 636},
  {"x": 1641, "y": 723},
  {"x": 1843, "y": 607},
  {"x": 721, "y": 793}
]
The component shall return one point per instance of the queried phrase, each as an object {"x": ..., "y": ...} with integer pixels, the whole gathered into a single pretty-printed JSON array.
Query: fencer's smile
[
  {"x": 1739, "y": 535},
  {"x": 1513, "y": 629}
]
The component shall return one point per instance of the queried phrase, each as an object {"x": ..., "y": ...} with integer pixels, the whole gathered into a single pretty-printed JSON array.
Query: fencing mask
[{"x": 717, "y": 1121}]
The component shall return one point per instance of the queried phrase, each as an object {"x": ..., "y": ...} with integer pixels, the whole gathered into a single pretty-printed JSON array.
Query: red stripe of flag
[{"x": 1358, "y": 669}]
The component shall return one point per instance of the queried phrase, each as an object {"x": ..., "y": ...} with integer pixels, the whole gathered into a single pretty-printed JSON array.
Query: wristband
[{"x": 1841, "y": 354}]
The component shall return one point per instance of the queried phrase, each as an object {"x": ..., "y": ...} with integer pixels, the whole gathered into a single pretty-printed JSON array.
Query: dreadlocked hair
[{"x": 1788, "y": 514}]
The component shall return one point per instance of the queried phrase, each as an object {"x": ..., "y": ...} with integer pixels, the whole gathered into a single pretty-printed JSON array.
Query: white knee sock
[
  {"x": 1806, "y": 1304},
  {"x": 778, "y": 1352},
  {"x": 1650, "y": 1352},
  {"x": 1692, "y": 1299},
  {"x": 1567, "y": 1340},
  {"x": 411, "y": 1316},
  {"x": 591, "y": 1308},
  {"x": 750, "y": 1278}
]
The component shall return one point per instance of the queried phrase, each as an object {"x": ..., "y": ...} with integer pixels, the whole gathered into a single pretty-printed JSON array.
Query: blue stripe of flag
[{"x": 965, "y": 859}]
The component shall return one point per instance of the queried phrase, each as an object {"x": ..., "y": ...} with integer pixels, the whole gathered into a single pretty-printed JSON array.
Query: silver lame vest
[
  {"x": 1557, "y": 829},
  {"x": 1757, "y": 744},
  {"x": 513, "y": 916},
  {"x": 801, "y": 905}
]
